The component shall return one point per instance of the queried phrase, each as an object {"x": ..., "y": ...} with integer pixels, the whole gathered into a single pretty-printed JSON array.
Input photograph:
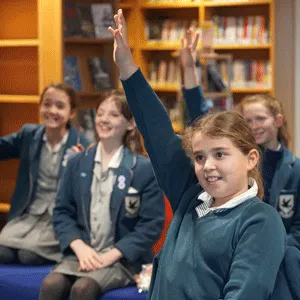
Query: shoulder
[
  {"x": 142, "y": 162},
  {"x": 257, "y": 211},
  {"x": 82, "y": 157},
  {"x": 31, "y": 128}
]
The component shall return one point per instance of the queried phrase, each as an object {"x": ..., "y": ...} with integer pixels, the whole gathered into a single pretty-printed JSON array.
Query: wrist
[
  {"x": 127, "y": 69},
  {"x": 76, "y": 243}
]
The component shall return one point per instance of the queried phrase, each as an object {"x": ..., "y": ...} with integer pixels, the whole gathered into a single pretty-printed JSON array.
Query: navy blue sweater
[{"x": 235, "y": 254}]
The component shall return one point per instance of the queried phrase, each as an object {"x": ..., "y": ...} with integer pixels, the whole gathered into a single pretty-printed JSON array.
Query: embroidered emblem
[
  {"x": 286, "y": 206},
  {"x": 132, "y": 205},
  {"x": 121, "y": 182}
]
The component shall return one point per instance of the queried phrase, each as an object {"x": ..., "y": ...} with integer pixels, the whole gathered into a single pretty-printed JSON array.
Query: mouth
[{"x": 213, "y": 179}]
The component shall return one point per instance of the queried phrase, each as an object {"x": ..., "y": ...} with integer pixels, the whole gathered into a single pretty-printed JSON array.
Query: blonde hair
[
  {"x": 275, "y": 108},
  {"x": 231, "y": 125}
]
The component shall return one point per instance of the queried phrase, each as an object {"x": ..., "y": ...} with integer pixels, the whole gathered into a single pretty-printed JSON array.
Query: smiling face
[
  {"x": 55, "y": 109},
  {"x": 221, "y": 168},
  {"x": 263, "y": 124},
  {"x": 111, "y": 125}
]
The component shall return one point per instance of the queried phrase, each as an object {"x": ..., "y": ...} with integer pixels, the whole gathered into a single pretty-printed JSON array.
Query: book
[
  {"x": 102, "y": 14},
  {"x": 100, "y": 74},
  {"x": 72, "y": 72},
  {"x": 86, "y": 20},
  {"x": 85, "y": 124},
  {"x": 71, "y": 24}
]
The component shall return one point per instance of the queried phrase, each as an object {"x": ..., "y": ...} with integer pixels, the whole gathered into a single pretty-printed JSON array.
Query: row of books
[
  {"x": 163, "y": 72},
  {"x": 169, "y": 29},
  {"x": 99, "y": 72},
  {"x": 245, "y": 30},
  {"x": 248, "y": 73},
  {"x": 89, "y": 20}
]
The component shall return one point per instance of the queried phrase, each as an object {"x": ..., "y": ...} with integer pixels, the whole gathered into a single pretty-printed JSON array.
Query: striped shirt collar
[{"x": 205, "y": 207}]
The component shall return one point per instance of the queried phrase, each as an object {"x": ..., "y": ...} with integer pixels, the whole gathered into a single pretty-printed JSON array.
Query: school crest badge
[
  {"x": 286, "y": 205},
  {"x": 132, "y": 203}
]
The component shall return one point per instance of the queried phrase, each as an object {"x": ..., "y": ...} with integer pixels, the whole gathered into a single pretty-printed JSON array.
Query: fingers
[{"x": 195, "y": 40}]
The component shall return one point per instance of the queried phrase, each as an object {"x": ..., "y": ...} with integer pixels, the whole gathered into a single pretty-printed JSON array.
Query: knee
[
  {"x": 48, "y": 284},
  {"x": 85, "y": 288},
  {"x": 27, "y": 257}
]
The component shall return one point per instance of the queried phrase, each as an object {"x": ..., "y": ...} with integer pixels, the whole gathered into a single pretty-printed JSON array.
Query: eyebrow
[{"x": 213, "y": 149}]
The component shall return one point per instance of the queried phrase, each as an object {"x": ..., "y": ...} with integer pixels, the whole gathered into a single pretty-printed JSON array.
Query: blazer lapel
[
  {"x": 123, "y": 181},
  {"x": 86, "y": 177},
  {"x": 34, "y": 154},
  {"x": 281, "y": 176},
  {"x": 71, "y": 141}
]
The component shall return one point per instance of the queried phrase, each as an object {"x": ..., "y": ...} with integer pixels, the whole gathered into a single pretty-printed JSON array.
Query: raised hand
[
  {"x": 188, "y": 54},
  {"x": 122, "y": 53},
  {"x": 188, "y": 50}
]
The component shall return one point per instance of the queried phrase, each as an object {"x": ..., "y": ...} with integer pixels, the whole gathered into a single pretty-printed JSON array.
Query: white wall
[{"x": 285, "y": 60}]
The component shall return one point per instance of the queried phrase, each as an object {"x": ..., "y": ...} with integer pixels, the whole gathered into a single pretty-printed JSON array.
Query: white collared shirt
[
  {"x": 205, "y": 207},
  {"x": 56, "y": 150}
]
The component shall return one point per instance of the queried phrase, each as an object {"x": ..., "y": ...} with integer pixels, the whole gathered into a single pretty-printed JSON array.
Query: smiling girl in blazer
[
  {"x": 28, "y": 237},
  {"x": 109, "y": 211}
]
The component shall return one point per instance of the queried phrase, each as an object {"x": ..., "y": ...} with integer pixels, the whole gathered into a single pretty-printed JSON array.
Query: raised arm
[
  {"x": 171, "y": 165},
  {"x": 192, "y": 90}
]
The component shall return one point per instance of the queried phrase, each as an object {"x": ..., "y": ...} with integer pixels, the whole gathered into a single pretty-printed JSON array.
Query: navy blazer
[
  {"x": 285, "y": 195},
  {"x": 134, "y": 235},
  {"x": 26, "y": 145}
]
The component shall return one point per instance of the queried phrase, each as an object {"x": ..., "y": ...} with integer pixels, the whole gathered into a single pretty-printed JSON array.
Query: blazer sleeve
[
  {"x": 259, "y": 251},
  {"x": 151, "y": 218},
  {"x": 173, "y": 169},
  {"x": 195, "y": 103},
  {"x": 10, "y": 145},
  {"x": 64, "y": 212}
]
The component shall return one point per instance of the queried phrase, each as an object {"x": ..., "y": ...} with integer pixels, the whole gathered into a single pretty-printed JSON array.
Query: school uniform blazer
[
  {"x": 285, "y": 195},
  {"x": 135, "y": 232},
  {"x": 177, "y": 275},
  {"x": 26, "y": 145}
]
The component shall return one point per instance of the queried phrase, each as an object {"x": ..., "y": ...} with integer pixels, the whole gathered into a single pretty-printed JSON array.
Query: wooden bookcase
[
  {"x": 138, "y": 12},
  {"x": 32, "y": 48}
]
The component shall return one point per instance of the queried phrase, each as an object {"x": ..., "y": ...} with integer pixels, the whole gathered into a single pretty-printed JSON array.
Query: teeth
[{"x": 211, "y": 179}]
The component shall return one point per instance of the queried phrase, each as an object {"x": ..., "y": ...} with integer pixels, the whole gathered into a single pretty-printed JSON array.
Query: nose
[
  {"x": 209, "y": 164},
  {"x": 53, "y": 109}
]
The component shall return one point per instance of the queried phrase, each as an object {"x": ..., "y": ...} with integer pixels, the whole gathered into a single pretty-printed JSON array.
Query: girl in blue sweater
[
  {"x": 42, "y": 149},
  {"x": 280, "y": 168},
  {"x": 223, "y": 242}
]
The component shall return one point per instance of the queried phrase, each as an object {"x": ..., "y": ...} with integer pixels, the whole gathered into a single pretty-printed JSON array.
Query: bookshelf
[
  {"x": 32, "y": 50},
  {"x": 253, "y": 53}
]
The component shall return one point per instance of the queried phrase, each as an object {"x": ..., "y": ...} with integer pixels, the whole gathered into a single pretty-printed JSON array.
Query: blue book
[{"x": 72, "y": 72}]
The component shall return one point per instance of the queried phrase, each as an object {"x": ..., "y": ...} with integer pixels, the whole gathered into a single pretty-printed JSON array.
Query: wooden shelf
[
  {"x": 169, "y": 4},
  {"x": 254, "y": 90},
  {"x": 242, "y": 46},
  {"x": 161, "y": 45},
  {"x": 126, "y": 5},
  {"x": 165, "y": 87},
  {"x": 89, "y": 41},
  {"x": 34, "y": 99},
  {"x": 19, "y": 43},
  {"x": 235, "y": 3},
  {"x": 4, "y": 207}
]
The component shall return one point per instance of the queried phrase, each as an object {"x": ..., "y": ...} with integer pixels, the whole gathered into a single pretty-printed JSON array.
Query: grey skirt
[
  {"x": 108, "y": 278},
  {"x": 33, "y": 233}
]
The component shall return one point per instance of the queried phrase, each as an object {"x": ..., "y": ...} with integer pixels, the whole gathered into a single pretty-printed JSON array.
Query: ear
[
  {"x": 253, "y": 158},
  {"x": 72, "y": 114},
  {"x": 131, "y": 124},
  {"x": 279, "y": 119}
]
